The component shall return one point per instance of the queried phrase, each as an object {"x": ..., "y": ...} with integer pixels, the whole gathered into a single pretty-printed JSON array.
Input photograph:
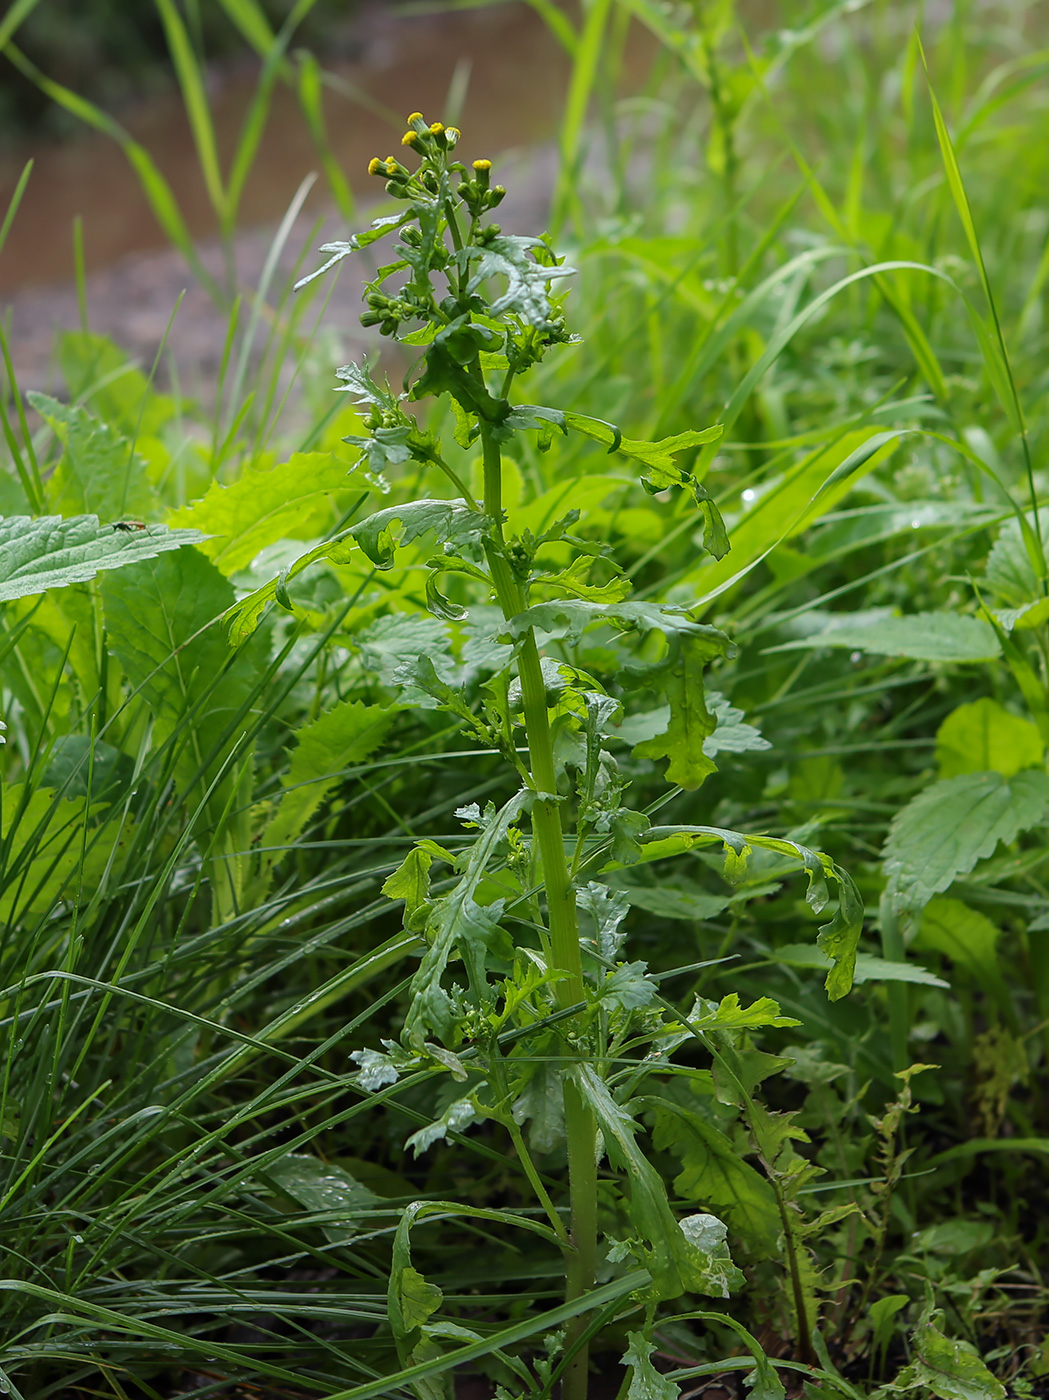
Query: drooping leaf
[
  {"x": 411, "y": 882},
  {"x": 984, "y": 737},
  {"x": 261, "y": 507},
  {"x": 946, "y": 829},
  {"x": 99, "y": 473},
  {"x": 571, "y": 616},
  {"x": 688, "y": 1255},
  {"x": 452, "y": 521},
  {"x": 691, "y": 723},
  {"x": 868, "y": 967},
  {"x": 838, "y": 939},
  {"x": 41, "y": 552},
  {"x": 919, "y": 636}
]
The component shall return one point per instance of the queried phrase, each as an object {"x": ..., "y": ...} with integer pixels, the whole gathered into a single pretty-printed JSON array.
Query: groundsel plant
[{"x": 522, "y": 995}]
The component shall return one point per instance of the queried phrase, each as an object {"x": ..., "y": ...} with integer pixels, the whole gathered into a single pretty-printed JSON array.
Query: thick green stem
[{"x": 580, "y": 1128}]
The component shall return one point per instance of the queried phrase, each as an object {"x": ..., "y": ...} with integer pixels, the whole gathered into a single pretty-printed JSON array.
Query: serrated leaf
[
  {"x": 646, "y": 1383},
  {"x": 947, "y": 1369},
  {"x": 730, "y": 1014},
  {"x": 261, "y": 507},
  {"x": 984, "y": 737},
  {"x": 47, "y": 551},
  {"x": 99, "y": 472},
  {"x": 344, "y": 736},
  {"x": 920, "y": 637},
  {"x": 159, "y": 617},
  {"x": 838, "y": 939},
  {"x": 946, "y": 829}
]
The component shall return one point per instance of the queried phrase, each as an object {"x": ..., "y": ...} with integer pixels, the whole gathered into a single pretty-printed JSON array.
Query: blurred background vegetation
[{"x": 113, "y": 51}]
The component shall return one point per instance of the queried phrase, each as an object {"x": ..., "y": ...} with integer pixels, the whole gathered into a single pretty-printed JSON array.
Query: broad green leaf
[
  {"x": 100, "y": 473},
  {"x": 985, "y": 737},
  {"x": 666, "y": 902},
  {"x": 731, "y": 733},
  {"x": 288, "y": 501},
  {"x": 324, "y": 1188},
  {"x": 346, "y": 735},
  {"x": 868, "y": 967},
  {"x": 159, "y": 617},
  {"x": 728, "y": 1015},
  {"x": 920, "y": 636},
  {"x": 41, "y": 552},
  {"x": 49, "y": 854},
  {"x": 95, "y": 367},
  {"x": 946, "y": 829},
  {"x": 967, "y": 937},
  {"x": 714, "y": 1174}
]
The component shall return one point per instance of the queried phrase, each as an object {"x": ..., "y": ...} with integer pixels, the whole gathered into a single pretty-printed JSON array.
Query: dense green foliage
[{"x": 302, "y": 1089}]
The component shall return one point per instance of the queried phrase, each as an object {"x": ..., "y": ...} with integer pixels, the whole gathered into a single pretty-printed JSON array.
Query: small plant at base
[{"x": 549, "y": 1025}]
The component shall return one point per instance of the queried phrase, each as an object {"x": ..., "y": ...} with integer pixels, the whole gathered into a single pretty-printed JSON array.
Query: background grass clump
[{"x": 224, "y": 1171}]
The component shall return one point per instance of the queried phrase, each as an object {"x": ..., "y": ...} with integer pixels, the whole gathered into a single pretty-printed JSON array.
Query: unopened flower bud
[
  {"x": 409, "y": 138},
  {"x": 376, "y": 166},
  {"x": 496, "y": 195}
]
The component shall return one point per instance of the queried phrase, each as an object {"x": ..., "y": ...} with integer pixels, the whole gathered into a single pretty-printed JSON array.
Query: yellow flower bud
[
  {"x": 409, "y": 138},
  {"x": 437, "y": 128},
  {"x": 415, "y": 117},
  {"x": 375, "y": 166},
  {"x": 482, "y": 165}
]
